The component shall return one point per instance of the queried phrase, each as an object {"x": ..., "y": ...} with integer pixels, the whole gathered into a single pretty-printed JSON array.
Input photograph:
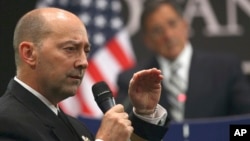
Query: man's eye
[
  {"x": 87, "y": 52},
  {"x": 157, "y": 31},
  {"x": 70, "y": 48}
]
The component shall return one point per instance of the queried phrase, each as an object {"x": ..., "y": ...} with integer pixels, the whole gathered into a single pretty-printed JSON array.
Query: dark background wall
[
  {"x": 10, "y": 12},
  {"x": 223, "y": 39}
]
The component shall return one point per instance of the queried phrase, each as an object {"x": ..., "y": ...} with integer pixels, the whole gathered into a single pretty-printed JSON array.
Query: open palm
[{"x": 145, "y": 90}]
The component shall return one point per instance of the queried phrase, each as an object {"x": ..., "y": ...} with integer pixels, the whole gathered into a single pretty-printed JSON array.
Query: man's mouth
[{"x": 76, "y": 77}]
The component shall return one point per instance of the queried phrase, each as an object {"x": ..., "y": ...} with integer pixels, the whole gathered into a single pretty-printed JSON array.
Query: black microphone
[{"x": 103, "y": 96}]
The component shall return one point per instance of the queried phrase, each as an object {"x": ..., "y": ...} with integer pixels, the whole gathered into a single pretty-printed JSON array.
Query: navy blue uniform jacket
[{"x": 24, "y": 117}]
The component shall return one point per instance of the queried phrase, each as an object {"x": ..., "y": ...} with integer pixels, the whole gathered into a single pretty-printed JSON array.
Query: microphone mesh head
[{"x": 101, "y": 91}]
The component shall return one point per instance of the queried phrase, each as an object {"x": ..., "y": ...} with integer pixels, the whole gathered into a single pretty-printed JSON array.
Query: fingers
[
  {"x": 117, "y": 113},
  {"x": 115, "y": 125},
  {"x": 153, "y": 75},
  {"x": 117, "y": 108},
  {"x": 145, "y": 90},
  {"x": 146, "y": 80}
]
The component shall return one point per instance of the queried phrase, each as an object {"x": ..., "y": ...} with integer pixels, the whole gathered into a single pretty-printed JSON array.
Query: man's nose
[
  {"x": 167, "y": 33},
  {"x": 81, "y": 61}
]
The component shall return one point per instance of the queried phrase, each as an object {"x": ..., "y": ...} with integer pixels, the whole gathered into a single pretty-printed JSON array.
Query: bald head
[
  {"x": 51, "y": 47},
  {"x": 37, "y": 25}
]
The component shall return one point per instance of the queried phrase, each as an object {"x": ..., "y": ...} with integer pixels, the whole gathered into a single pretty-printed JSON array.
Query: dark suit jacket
[
  {"x": 217, "y": 86},
  {"x": 24, "y": 117}
]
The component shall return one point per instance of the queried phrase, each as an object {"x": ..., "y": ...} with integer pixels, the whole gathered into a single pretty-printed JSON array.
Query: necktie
[{"x": 176, "y": 87}]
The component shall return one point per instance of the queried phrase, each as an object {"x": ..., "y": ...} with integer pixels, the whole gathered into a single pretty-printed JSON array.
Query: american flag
[{"x": 111, "y": 50}]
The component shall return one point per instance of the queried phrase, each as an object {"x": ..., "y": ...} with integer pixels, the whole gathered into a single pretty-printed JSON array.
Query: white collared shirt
[
  {"x": 184, "y": 59},
  {"x": 38, "y": 95}
]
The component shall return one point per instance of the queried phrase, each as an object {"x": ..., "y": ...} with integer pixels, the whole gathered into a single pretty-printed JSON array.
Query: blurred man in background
[{"x": 196, "y": 84}]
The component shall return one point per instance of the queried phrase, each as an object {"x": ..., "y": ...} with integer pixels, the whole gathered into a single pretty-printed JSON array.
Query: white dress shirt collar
[
  {"x": 38, "y": 95},
  {"x": 184, "y": 59}
]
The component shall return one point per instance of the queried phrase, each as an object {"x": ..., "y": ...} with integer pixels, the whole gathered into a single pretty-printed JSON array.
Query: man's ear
[{"x": 27, "y": 52}]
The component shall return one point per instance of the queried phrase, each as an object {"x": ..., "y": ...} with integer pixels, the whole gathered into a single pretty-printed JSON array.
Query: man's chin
[
  {"x": 173, "y": 54},
  {"x": 71, "y": 92}
]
